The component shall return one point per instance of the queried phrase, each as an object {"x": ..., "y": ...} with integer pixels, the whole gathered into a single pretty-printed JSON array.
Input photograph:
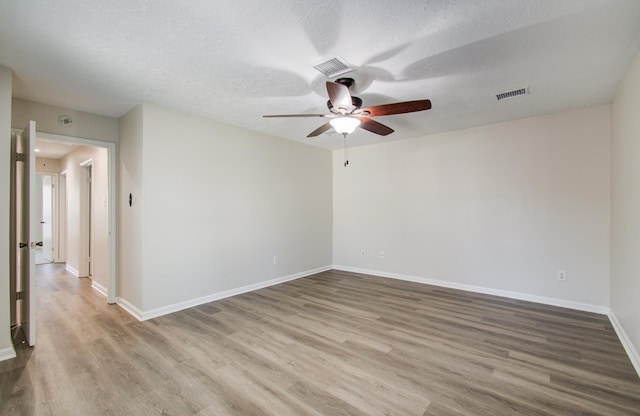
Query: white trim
[
  {"x": 586, "y": 307},
  {"x": 132, "y": 310},
  {"x": 83, "y": 141},
  {"x": 165, "y": 310},
  {"x": 99, "y": 288},
  {"x": 72, "y": 270},
  {"x": 7, "y": 353},
  {"x": 626, "y": 342},
  {"x": 55, "y": 215},
  {"x": 62, "y": 218},
  {"x": 86, "y": 206},
  {"x": 112, "y": 275}
]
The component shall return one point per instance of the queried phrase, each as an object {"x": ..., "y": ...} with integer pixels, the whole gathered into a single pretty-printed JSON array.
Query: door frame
[
  {"x": 61, "y": 252},
  {"x": 86, "y": 220},
  {"x": 112, "y": 155}
]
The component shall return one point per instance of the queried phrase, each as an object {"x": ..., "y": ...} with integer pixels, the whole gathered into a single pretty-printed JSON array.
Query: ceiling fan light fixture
[{"x": 345, "y": 125}]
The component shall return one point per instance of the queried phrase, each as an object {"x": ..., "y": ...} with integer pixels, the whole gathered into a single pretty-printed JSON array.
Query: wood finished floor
[{"x": 331, "y": 344}]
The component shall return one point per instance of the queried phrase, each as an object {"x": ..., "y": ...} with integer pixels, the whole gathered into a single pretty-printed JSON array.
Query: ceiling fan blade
[
  {"x": 320, "y": 130},
  {"x": 296, "y": 115},
  {"x": 373, "y": 126},
  {"x": 397, "y": 108},
  {"x": 339, "y": 96}
]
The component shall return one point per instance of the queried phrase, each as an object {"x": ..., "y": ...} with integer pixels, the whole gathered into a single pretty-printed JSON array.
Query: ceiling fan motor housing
[
  {"x": 355, "y": 101},
  {"x": 347, "y": 82}
]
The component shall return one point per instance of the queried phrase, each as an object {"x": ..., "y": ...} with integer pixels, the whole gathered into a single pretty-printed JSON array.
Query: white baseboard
[
  {"x": 7, "y": 353},
  {"x": 130, "y": 308},
  {"x": 626, "y": 342},
  {"x": 164, "y": 310},
  {"x": 586, "y": 307},
  {"x": 72, "y": 270},
  {"x": 99, "y": 288}
]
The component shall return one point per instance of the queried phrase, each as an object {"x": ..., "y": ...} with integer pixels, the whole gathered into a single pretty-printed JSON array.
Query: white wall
[
  {"x": 86, "y": 125},
  {"x": 76, "y": 188},
  {"x": 6, "y": 348},
  {"x": 46, "y": 165},
  {"x": 216, "y": 204},
  {"x": 500, "y": 207},
  {"x": 625, "y": 207},
  {"x": 221, "y": 201},
  {"x": 130, "y": 218}
]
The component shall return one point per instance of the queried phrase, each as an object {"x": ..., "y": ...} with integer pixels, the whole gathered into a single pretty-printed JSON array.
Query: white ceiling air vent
[
  {"x": 333, "y": 67},
  {"x": 512, "y": 94}
]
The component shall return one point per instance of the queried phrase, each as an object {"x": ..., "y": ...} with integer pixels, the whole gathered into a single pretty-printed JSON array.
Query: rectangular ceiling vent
[
  {"x": 333, "y": 67},
  {"x": 511, "y": 94}
]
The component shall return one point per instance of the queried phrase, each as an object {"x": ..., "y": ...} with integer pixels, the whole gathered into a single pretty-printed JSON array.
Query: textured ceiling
[{"x": 234, "y": 61}]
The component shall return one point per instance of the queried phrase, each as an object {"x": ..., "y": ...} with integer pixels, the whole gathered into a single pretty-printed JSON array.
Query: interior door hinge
[
  {"x": 21, "y": 157},
  {"x": 19, "y": 295}
]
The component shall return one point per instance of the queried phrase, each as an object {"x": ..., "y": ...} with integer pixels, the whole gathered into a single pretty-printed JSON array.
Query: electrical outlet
[
  {"x": 382, "y": 254},
  {"x": 363, "y": 252},
  {"x": 275, "y": 259},
  {"x": 562, "y": 276}
]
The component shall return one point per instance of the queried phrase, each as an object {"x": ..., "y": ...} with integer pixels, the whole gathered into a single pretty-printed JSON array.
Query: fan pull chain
[{"x": 346, "y": 152}]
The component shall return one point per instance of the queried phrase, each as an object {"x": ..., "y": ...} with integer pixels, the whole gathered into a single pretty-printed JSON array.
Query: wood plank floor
[{"x": 334, "y": 343}]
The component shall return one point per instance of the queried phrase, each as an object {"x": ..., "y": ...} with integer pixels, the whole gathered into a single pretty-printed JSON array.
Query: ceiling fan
[{"x": 347, "y": 114}]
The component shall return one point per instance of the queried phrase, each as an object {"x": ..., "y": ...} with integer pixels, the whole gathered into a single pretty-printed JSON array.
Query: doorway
[
  {"x": 86, "y": 210},
  {"x": 33, "y": 204},
  {"x": 45, "y": 212}
]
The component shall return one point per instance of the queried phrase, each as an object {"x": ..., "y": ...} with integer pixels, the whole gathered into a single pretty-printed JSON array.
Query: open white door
[
  {"x": 47, "y": 218},
  {"x": 24, "y": 189}
]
